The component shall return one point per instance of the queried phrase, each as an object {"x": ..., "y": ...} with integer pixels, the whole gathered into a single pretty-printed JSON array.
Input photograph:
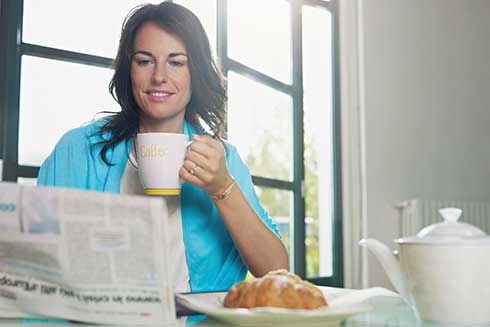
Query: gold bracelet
[{"x": 225, "y": 193}]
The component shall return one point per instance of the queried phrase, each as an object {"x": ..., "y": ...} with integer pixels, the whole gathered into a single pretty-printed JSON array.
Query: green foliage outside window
[{"x": 265, "y": 162}]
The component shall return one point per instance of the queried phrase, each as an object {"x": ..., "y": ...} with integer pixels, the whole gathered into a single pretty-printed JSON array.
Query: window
[{"x": 280, "y": 58}]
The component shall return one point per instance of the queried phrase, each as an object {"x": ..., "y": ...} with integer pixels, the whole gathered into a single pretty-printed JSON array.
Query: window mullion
[
  {"x": 221, "y": 30},
  {"x": 222, "y": 41},
  {"x": 12, "y": 12},
  {"x": 65, "y": 55},
  {"x": 337, "y": 248},
  {"x": 274, "y": 183},
  {"x": 299, "y": 254},
  {"x": 258, "y": 76}
]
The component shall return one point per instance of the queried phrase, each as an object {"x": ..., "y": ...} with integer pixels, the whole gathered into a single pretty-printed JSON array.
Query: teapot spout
[{"x": 389, "y": 263}]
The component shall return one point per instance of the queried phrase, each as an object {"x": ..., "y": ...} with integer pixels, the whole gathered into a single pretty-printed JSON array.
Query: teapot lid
[
  {"x": 448, "y": 231},
  {"x": 450, "y": 226}
]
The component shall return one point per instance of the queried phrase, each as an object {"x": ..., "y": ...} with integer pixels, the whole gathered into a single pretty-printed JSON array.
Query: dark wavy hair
[{"x": 208, "y": 98}]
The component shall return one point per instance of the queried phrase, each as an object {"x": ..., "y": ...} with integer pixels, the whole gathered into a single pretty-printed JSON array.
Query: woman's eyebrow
[
  {"x": 176, "y": 54},
  {"x": 149, "y": 54},
  {"x": 146, "y": 53}
]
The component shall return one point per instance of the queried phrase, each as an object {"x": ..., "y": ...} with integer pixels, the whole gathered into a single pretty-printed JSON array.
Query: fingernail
[{"x": 196, "y": 136}]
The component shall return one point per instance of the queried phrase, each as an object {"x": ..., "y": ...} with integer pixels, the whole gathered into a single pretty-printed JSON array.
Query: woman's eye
[
  {"x": 143, "y": 62},
  {"x": 177, "y": 63}
]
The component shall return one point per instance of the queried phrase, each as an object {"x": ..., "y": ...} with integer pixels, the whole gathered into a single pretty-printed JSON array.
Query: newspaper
[{"x": 84, "y": 256}]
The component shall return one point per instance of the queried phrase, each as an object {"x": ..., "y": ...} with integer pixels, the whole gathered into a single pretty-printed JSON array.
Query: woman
[{"x": 165, "y": 80}]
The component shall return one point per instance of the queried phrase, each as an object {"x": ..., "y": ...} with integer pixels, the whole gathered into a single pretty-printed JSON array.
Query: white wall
[{"x": 427, "y": 107}]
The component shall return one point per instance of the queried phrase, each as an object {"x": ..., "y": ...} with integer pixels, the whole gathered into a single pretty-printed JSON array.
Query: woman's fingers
[
  {"x": 207, "y": 146},
  {"x": 206, "y": 139},
  {"x": 207, "y": 153},
  {"x": 205, "y": 164},
  {"x": 198, "y": 171},
  {"x": 198, "y": 159},
  {"x": 187, "y": 176}
]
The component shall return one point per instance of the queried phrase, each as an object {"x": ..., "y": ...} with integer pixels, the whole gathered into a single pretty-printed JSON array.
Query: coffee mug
[{"x": 160, "y": 157}]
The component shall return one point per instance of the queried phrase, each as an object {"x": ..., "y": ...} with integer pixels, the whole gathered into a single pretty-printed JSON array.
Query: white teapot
[{"x": 444, "y": 271}]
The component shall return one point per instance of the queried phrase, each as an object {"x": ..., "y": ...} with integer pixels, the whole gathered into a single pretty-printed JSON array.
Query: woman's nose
[{"x": 159, "y": 74}]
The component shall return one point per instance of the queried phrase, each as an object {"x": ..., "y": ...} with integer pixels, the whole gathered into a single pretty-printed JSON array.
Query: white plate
[{"x": 212, "y": 305}]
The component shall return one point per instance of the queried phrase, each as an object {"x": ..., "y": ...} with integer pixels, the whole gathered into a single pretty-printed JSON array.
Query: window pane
[
  {"x": 317, "y": 68},
  {"x": 206, "y": 11},
  {"x": 260, "y": 125},
  {"x": 279, "y": 205},
  {"x": 57, "y": 96},
  {"x": 259, "y": 35},
  {"x": 75, "y": 24}
]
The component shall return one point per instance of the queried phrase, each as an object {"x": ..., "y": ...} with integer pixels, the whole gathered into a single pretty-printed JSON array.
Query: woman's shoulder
[
  {"x": 232, "y": 154},
  {"x": 87, "y": 133},
  {"x": 229, "y": 146}
]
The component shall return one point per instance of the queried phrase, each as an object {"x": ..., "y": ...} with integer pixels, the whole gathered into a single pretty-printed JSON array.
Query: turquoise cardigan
[{"x": 213, "y": 260}]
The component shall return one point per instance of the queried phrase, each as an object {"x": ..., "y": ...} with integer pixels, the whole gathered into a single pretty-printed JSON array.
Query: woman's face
[{"x": 161, "y": 79}]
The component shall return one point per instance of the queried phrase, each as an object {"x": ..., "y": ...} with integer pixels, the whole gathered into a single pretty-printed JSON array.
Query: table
[{"x": 387, "y": 312}]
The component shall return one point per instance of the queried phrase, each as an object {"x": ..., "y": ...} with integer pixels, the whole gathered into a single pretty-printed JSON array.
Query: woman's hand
[{"x": 205, "y": 165}]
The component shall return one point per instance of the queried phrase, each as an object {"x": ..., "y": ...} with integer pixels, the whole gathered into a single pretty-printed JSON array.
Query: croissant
[{"x": 278, "y": 288}]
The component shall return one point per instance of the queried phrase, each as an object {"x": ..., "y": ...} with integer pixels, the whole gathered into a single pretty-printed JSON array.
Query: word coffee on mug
[{"x": 160, "y": 157}]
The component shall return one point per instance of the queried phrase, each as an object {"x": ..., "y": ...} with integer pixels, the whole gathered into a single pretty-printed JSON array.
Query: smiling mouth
[{"x": 158, "y": 96}]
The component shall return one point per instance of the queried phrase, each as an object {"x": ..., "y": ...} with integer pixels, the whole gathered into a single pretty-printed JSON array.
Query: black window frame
[{"x": 12, "y": 48}]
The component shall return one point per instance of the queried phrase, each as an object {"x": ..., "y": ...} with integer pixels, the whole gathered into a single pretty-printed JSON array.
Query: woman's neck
[{"x": 161, "y": 127}]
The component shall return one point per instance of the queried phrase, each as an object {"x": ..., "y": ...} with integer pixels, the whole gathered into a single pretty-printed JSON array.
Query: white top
[{"x": 178, "y": 270}]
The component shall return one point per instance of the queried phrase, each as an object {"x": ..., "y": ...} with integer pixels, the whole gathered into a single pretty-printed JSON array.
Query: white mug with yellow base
[{"x": 160, "y": 157}]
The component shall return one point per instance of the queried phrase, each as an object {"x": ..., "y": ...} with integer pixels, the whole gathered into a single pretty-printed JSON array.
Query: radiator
[{"x": 414, "y": 214}]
